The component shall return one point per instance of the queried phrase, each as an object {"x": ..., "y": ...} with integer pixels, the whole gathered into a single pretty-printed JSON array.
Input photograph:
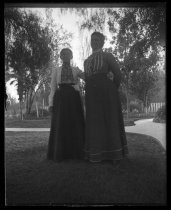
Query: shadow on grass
[{"x": 32, "y": 180}]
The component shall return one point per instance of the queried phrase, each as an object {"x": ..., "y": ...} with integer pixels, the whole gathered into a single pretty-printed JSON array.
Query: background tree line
[
  {"x": 137, "y": 38},
  {"x": 31, "y": 52}
]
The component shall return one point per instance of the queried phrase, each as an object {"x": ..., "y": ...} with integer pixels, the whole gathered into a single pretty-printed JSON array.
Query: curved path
[{"x": 147, "y": 127}]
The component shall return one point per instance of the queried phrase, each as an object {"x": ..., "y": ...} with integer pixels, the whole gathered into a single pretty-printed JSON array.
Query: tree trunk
[
  {"x": 37, "y": 110},
  {"x": 127, "y": 102},
  {"x": 145, "y": 103},
  {"x": 43, "y": 106},
  {"x": 21, "y": 112},
  {"x": 26, "y": 103},
  {"x": 29, "y": 104}
]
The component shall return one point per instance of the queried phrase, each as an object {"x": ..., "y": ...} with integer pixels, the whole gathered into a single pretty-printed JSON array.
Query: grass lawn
[
  {"x": 32, "y": 180},
  {"x": 43, "y": 123}
]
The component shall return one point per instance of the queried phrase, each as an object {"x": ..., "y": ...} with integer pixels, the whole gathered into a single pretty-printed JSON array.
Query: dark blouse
[{"x": 102, "y": 62}]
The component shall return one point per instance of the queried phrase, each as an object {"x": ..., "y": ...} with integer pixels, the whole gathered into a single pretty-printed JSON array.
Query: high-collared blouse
[
  {"x": 102, "y": 62},
  {"x": 56, "y": 80},
  {"x": 67, "y": 74}
]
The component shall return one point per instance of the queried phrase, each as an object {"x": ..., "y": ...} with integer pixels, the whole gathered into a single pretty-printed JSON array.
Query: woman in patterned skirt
[
  {"x": 105, "y": 137},
  {"x": 66, "y": 138}
]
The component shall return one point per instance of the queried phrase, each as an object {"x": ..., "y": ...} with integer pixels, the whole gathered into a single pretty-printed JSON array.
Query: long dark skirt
[
  {"x": 105, "y": 137},
  {"x": 66, "y": 138}
]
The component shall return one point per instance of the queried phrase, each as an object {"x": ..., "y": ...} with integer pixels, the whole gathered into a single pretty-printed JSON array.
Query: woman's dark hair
[
  {"x": 65, "y": 49},
  {"x": 100, "y": 35}
]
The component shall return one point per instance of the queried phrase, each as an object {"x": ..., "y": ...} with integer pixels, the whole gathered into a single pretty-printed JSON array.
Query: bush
[
  {"x": 44, "y": 112},
  {"x": 129, "y": 122},
  {"x": 135, "y": 111},
  {"x": 33, "y": 114},
  {"x": 11, "y": 116},
  {"x": 160, "y": 115},
  {"x": 134, "y": 105}
]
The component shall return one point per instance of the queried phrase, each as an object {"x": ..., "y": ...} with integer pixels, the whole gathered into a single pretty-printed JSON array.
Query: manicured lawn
[
  {"x": 45, "y": 123},
  {"x": 31, "y": 179}
]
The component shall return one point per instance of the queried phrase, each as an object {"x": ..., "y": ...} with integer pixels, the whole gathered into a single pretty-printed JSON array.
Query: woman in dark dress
[
  {"x": 66, "y": 138},
  {"x": 105, "y": 137}
]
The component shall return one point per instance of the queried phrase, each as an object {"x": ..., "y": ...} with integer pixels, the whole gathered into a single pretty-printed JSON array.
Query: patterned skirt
[
  {"x": 105, "y": 137},
  {"x": 66, "y": 138}
]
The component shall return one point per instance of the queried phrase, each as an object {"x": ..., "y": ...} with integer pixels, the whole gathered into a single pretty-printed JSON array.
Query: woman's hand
[
  {"x": 80, "y": 73},
  {"x": 110, "y": 75},
  {"x": 76, "y": 87}
]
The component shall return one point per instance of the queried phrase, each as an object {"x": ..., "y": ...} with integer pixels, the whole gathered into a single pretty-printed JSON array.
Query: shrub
[
  {"x": 160, "y": 115},
  {"x": 44, "y": 112},
  {"x": 33, "y": 114},
  {"x": 135, "y": 105},
  {"x": 135, "y": 111}
]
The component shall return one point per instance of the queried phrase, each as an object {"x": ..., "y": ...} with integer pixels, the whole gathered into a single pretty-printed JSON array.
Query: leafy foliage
[
  {"x": 137, "y": 50},
  {"x": 144, "y": 76},
  {"x": 28, "y": 53},
  {"x": 33, "y": 114},
  {"x": 136, "y": 34},
  {"x": 32, "y": 53},
  {"x": 161, "y": 113},
  {"x": 158, "y": 94}
]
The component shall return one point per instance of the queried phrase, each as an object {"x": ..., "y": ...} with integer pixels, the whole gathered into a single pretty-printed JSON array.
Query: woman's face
[
  {"x": 66, "y": 56},
  {"x": 95, "y": 42}
]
